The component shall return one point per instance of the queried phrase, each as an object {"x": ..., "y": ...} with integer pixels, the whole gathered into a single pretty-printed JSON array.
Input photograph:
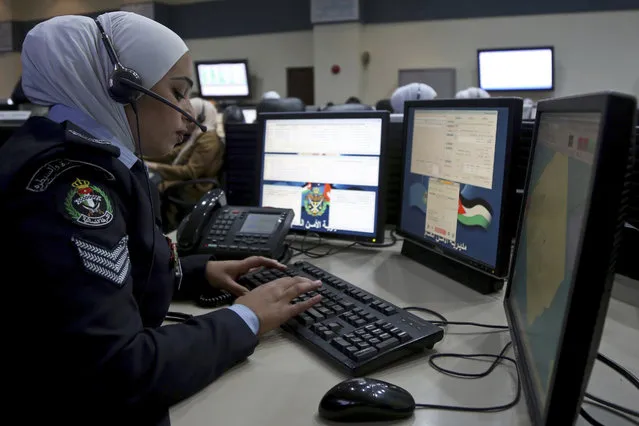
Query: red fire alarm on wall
[{"x": 335, "y": 69}]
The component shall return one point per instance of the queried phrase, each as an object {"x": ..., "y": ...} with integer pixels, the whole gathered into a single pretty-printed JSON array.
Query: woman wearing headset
[
  {"x": 88, "y": 346},
  {"x": 199, "y": 157}
]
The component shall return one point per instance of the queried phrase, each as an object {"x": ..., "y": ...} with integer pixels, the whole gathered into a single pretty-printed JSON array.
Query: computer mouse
[{"x": 366, "y": 400}]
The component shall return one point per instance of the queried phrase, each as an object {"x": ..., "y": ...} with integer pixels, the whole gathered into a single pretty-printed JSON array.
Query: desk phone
[{"x": 232, "y": 232}]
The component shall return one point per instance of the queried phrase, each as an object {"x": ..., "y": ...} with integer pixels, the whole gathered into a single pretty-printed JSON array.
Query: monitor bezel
[
  {"x": 378, "y": 238},
  {"x": 601, "y": 230},
  {"x": 519, "y": 48},
  {"x": 196, "y": 64},
  {"x": 515, "y": 107}
]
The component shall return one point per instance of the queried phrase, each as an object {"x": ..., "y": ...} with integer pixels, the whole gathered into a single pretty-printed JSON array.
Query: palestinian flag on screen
[{"x": 475, "y": 212}]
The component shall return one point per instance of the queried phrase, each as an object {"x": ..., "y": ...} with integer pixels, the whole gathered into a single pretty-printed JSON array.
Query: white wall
[
  {"x": 594, "y": 51},
  {"x": 268, "y": 54}
]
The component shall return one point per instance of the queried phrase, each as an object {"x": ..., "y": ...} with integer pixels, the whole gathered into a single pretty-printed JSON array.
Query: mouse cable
[
  {"x": 496, "y": 360},
  {"x": 444, "y": 322},
  {"x": 588, "y": 417},
  {"x": 612, "y": 407}
]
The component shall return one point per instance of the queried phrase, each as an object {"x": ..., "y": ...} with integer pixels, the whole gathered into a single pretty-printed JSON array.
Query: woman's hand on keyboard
[{"x": 271, "y": 302}]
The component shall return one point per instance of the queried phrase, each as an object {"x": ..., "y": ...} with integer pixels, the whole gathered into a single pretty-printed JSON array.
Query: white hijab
[
  {"x": 205, "y": 113},
  {"x": 411, "y": 92},
  {"x": 472, "y": 93},
  {"x": 64, "y": 61}
]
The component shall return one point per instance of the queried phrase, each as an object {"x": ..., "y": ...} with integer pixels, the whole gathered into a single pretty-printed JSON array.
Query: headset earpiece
[{"x": 118, "y": 91}]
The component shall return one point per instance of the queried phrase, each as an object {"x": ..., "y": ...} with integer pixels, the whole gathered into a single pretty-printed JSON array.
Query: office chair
[
  {"x": 349, "y": 107},
  {"x": 384, "y": 105},
  {"x": 281, "y": 105}
]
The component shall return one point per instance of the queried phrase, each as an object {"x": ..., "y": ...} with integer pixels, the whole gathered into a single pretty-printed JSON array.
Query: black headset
[{"x": 125, "y": 84}]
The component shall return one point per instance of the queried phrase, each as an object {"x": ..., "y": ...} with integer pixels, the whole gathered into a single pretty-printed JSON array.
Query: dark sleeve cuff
[{"x": 193, "y": 276}]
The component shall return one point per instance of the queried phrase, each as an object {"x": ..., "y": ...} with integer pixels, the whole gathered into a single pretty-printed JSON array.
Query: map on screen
[{"x": 557, "y": 200}]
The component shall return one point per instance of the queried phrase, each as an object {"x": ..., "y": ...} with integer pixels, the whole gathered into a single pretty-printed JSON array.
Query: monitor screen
[
  {"x": 327, "y": 170},
  {"x": 250, "y": 114},
  {"x": 559, "y": 189},
  {"x": 453, "y": 182},
  {"x": 516, "y": 69},
  {"x": 228, "y": 79}
]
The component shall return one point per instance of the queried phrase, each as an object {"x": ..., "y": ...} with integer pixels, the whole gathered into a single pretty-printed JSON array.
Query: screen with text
[
  {"x": 230, "y": 79},
  {"x": 453, "y": 179},
  {"x": 327, "y": 170}
]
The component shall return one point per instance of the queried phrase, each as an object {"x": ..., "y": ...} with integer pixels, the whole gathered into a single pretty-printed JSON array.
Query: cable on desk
[
  {"x": 393, "y": 241},
  {"x": 612, "y": 405},
  {"x": 497, "y": 360},
  {"x": 444, "y": 322},
  {"x": 619, "y": 369},
  {"x": 613, "y": 412},
  {"x": 589, "y": 418}
]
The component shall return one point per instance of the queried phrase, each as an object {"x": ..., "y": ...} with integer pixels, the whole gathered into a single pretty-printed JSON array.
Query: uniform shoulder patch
[
  {"x": 88, "y": 205},
  {"x": 50, "y": 171},
  {"x": 112, "y": 264}
]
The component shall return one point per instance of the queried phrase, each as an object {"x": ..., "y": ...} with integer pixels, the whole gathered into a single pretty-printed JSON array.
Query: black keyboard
[{"x": 350, "y": 328}]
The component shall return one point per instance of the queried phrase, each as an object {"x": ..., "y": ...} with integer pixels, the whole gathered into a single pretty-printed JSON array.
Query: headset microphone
[
  {"x": 138, "y": 87},
  {"x": 125, "y": 83}
]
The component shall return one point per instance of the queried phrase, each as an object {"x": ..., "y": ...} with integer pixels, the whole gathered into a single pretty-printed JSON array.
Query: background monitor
[
  {"x": 227, "y": 79},
  {"x": 329, "y": 168},
  {"x": 516, "y": 69},
  {"x": 456, "y": 185},
  {"x": 563, "y": 267}
]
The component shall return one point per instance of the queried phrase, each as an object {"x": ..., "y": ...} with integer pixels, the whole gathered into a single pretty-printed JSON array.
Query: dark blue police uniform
[{"x": 93, "y": 277}]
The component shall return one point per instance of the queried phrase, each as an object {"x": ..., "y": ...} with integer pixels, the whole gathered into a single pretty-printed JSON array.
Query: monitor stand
[{"x": 465, "y": 275}]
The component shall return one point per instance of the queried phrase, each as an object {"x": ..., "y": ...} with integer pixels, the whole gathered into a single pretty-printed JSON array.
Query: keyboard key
[
  {"x": 340, "y": 344},
  {"x": 351, "y": 349},
  {"x": 389, "y": 310},
  {"x": 387, "y": 326},
  {"x": 337, "y": 308},
  {"x": 387, "y": 344},
  {"x": 384, "y": 336},
  {"x": 360, "y": 332},
  {"x": 374, "y": 341},
  {"x": 394, "y": 330},
  {"x": 370, "y": 327},
  {"x": 305, "y": 319},
  {"x": 403, "y": 336},
  {"x": 358, "y": 310},
  {"x": 356, "y": 340},
  {"x": 327, "y": 335},
  {"x": 364, "y": 354},
  {"x": 370, "y": 317},
  {"x": 314, "y": 314},
  {"x": 360, "y": 323},
  {"x": 367, "y": 336},
  {"x": 377, "y": 331},
  {"x": 334, "y": 326},
  {"x": 347, "y": 305},
  {"x": 363, "y": 345}
]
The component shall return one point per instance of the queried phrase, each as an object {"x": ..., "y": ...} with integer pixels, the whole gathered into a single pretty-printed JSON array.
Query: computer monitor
[
  {"x": 250, "y": 114},
  {"x": 563, "y": 267},
  {"x": 228, "y": 79},
  {"x": 457, "y": 188},
  {"x": 516, "y": 69},
  {"x": 330, "y": 168}
]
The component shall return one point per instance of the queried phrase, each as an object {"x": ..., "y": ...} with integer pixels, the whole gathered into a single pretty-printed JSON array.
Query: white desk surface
[{"x": 282, "y": 383}]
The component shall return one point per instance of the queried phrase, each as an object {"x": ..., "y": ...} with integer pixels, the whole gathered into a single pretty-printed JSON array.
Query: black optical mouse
[{"x": 366, "y": 400}]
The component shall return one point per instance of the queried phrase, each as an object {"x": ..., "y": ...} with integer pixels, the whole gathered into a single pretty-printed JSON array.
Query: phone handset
[{"x": 190, "y": 229}]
